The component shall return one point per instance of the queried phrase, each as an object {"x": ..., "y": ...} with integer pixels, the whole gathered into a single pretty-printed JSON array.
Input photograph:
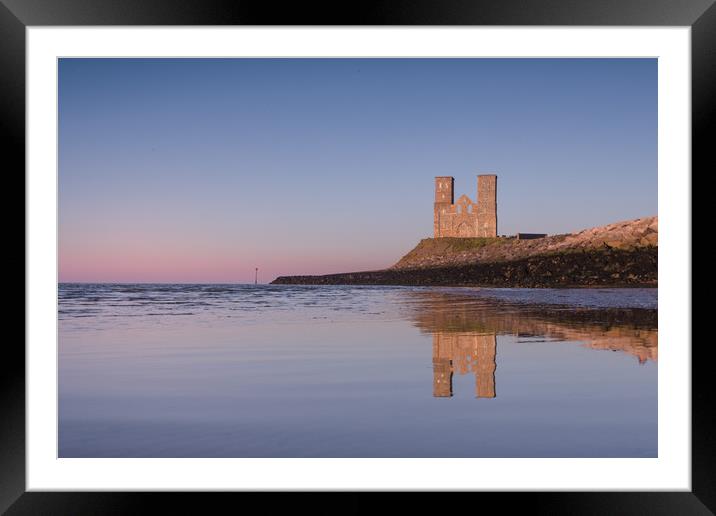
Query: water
[{"x": 342, "y": 371}]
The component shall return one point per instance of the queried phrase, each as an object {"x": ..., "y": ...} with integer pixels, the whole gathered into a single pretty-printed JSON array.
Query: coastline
[{"x": 587, "y": 268}]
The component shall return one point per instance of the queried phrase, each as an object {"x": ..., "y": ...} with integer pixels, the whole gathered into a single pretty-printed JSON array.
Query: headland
[{"x": 622, "y": 254}]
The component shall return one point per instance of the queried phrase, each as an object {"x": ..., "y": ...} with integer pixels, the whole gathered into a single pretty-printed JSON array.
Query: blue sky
[{"x": 202, "y": 169}]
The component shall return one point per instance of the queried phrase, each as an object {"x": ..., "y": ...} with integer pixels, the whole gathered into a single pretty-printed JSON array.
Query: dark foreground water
[{"x": 299, "y": 371}]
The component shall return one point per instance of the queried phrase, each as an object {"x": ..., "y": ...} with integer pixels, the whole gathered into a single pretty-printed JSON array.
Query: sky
[{"x": 201, "y": 170}]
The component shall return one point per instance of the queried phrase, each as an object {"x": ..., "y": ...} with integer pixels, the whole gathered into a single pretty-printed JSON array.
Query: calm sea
[{"x": 343, "y": 371}]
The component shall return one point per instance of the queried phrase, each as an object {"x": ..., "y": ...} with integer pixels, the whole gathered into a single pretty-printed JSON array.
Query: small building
[{"x": 530, "y": 236}]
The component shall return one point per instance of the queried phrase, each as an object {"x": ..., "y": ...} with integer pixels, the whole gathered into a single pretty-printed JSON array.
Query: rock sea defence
[{"x": 623, "y": 254}]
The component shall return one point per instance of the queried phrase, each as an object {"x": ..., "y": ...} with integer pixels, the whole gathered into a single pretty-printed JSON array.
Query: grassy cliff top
[
  {"x": 432, "y": 252},
  {"x": 447, "y": 246}
]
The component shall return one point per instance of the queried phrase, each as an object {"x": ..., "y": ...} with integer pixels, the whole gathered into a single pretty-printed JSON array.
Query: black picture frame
[{"x": 16, "y": 15}]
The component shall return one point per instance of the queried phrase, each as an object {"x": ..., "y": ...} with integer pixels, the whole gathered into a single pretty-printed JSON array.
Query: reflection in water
[
  {"x": 463, "y": 353},
  {"x": 292, "y": 371},
  {"x": 465, "y": 330}
]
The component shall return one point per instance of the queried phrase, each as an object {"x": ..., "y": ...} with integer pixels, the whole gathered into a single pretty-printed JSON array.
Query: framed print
[{"x": 415, "y": 250}]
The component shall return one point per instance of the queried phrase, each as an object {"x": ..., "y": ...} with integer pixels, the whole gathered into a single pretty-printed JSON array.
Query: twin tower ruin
[{"x": 465, "y": 219}]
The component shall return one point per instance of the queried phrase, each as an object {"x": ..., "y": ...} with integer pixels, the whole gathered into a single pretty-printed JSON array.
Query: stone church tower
[{"x": 465, "y": 219}]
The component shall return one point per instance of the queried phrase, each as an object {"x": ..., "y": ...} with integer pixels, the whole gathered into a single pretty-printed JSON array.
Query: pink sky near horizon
[{"x": 140, "y": 266}]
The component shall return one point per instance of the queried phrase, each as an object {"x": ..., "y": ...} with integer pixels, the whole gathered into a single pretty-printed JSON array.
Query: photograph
[
  {"x": 414, "y": 249},
  {"x": 357, "y": 257}
]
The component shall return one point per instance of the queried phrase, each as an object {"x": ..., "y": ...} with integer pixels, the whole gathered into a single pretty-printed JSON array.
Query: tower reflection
[
  {"x": 462, "y": 353},
  {"x": 464, "y": 330}
]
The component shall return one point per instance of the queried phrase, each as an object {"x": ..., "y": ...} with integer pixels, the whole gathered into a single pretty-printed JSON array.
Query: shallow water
[{"x": 349, "y": 371}]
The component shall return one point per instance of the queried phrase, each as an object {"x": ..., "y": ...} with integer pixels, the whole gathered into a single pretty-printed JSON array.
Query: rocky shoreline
[{"x": 606, "y": 267}]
